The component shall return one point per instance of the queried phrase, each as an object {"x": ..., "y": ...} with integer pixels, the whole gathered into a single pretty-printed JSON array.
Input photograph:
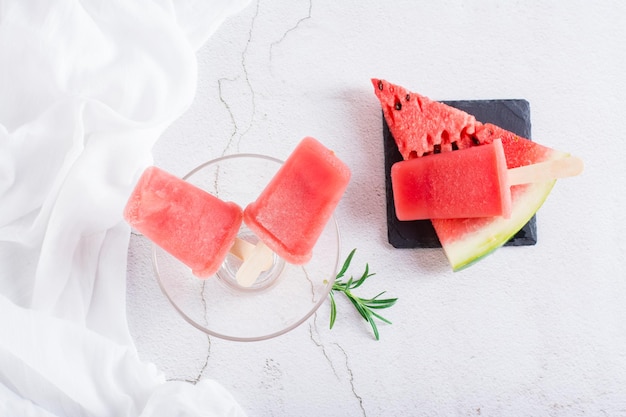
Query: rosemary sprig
[{"x": 365, "y": 306}]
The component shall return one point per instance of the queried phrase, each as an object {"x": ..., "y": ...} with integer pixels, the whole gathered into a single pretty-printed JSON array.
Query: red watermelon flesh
[{"x": 421, "y": 126}]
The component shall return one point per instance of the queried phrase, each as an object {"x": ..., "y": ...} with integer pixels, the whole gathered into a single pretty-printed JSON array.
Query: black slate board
[{"x": 512, "y": 115}]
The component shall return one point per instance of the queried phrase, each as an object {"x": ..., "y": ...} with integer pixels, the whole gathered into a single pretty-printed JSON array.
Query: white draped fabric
[{"x": 86, "y": 88}]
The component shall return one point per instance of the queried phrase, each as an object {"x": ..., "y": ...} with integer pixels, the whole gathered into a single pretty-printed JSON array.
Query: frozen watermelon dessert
[
  {"x": 422, "y": 127},
  {"x": 189, "y": 223},
  {"x": 421, "y": 186},
  {"x": 291, "y": 212}
]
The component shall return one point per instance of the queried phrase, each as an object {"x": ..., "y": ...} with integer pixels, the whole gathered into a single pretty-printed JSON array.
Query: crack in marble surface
[
  {"x": 240, "y": 131},
  {"x": 315, "y": 338},
  {"x": 313, "y": 332},
  {"x": 208, "y": 352},
  {"x": 229, "y": 110},
  {"x": 291, "y": 29},
  {"x": 351, "y": 379},
  {"x": 244, "y": 67},
  {"x": 204, "y": 366}
]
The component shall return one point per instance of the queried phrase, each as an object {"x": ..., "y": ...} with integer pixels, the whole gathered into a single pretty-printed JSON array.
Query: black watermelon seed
[
  {"x": 475, "y": 140},
  {"x": 455, "y": 146},
  {"x": 407, "y": 97},
  {"x": 437, "y": 149},
  {"x": 398, "y": 105},
  {"x": 380, "y": 85}
]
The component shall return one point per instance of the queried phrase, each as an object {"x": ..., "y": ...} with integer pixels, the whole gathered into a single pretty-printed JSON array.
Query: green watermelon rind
[{"x": 476, "y": 246}]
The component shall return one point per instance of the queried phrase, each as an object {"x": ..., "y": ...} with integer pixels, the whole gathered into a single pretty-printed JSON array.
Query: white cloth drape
[{"x": 86, "y": 88}]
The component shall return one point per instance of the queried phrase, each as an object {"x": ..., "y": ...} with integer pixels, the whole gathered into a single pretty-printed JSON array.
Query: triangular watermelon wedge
[{"x": 421, "y": 126}]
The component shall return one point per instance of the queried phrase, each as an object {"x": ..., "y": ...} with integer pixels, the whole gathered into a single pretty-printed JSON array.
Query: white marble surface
[{"x": 528, "y": 331}]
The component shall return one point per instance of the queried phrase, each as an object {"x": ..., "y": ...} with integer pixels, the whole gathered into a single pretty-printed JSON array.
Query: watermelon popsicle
[
  {"x": 192, "y": 225},
  {"x": 473, "y": 182},
  {"x": 292, "y": 210}
]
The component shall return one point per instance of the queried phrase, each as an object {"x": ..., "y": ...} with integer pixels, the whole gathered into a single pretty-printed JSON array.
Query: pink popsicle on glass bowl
[
  {"x": 191, "y": 224},
  {"x": 283, "y": 296},
  {"x": 293, "y": 209}
]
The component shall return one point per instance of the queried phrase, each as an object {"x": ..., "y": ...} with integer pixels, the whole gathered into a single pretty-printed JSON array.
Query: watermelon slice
[{"x": 421, "y": 126}]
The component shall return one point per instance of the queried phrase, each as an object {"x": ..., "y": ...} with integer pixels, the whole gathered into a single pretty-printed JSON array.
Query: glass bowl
[{"x": 282, "y": 298}]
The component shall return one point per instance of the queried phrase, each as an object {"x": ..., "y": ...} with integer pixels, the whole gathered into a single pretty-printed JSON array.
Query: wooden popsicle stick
[
  {"x": 546, "y": 171},
  {"x": 243, "y": 249},
  {"x": 253, "y": 265}
]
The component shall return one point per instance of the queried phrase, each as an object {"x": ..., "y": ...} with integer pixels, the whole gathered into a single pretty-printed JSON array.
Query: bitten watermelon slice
[{"x": 421, "y": 126}]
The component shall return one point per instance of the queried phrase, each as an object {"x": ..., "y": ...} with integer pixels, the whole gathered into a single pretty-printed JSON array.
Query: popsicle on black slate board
[{"x": 511, "y": 114}]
